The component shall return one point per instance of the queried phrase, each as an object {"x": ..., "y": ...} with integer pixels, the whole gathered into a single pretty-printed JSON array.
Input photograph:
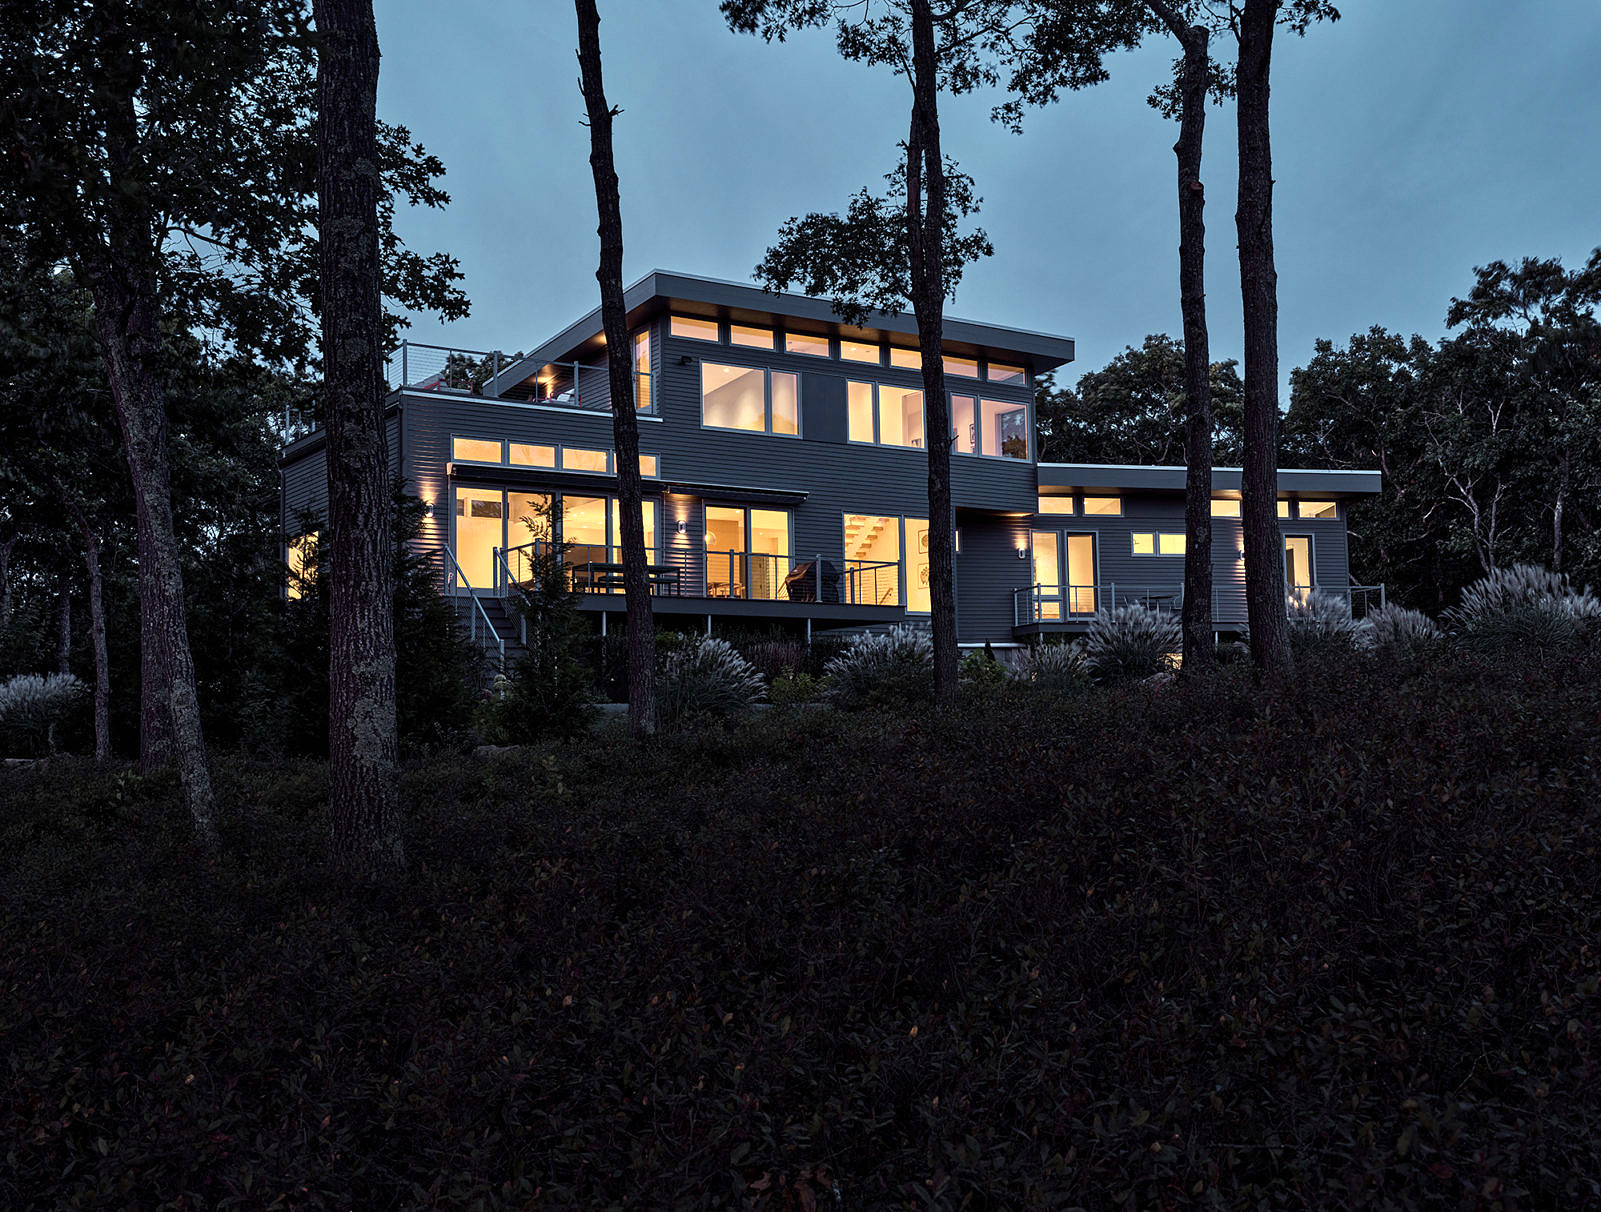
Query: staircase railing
[{"x": 455, "y": 581}]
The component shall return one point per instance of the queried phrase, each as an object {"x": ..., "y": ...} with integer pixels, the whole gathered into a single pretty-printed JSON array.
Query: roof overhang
[{"x": 712, "y": 298}]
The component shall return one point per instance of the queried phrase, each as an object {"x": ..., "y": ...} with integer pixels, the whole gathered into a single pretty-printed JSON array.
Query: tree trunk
[
  {"x": 1197, "y": 616},
  {"x": 925, "y": 218},
  {"x": 97, "y": 629},
  {"x": 123, "y": 284},
  {"x": 364, "y": 801},
  {"x": 620, "y": 370},
  {"x": 64, "y": 632},
  {"x": 5, "y": 578},
  {"x": 1265, "y": 600}
]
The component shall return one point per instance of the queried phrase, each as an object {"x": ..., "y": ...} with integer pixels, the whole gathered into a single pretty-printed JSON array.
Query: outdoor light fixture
[
  {"x": 683, "y": 526},
  {"x": 1022, "y": 553},
  {"x": 427, "y": 509}
]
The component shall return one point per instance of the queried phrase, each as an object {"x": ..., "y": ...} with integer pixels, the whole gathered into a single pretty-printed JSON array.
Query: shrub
[
  {"x": 789, "y": 689},
  {"x": 704, "y": 676},
  {"x": 1396, "y": 632},
  {"x": 1321, "y": 623},
  {"x": 981, "y": 672},
  {"x": 33, "y": 705},
  {"x": 1056, "y": 669},
  {"x": 1525, "y": 606},
  {"x": 772, "y": 656},
  {"x": 1130, "y": 642},
  {"x": 886, "y": 668}
]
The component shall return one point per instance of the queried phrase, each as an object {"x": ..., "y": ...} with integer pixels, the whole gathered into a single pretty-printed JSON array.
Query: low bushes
[
  {"x": 884, "y": 668},
  {"x": 1130, "y": 642},
  {"x": 704, "y": 676},
  {"x": 33, "y": 706},
  {"x": 1190, "y": 946}
]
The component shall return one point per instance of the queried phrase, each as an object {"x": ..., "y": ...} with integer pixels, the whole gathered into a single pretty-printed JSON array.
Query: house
[{"x": 785, "y": 480}]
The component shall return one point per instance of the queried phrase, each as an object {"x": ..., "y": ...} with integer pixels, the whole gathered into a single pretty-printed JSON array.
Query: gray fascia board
[
  {"x": 1041, "y": 351},
  {"x": 1224, "y": 479}
]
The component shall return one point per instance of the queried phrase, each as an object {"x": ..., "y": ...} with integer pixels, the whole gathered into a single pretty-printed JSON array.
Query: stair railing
[{"x": 456, "y": 579}]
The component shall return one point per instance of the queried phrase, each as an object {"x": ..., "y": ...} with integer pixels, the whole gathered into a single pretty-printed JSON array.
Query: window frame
[
  {"x": 717, "y": 329},
  {"x": 767, "y": 373},
  {"x": 877, "y": 410}
]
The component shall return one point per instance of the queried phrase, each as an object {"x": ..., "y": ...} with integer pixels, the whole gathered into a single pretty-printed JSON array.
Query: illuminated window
[
  {"x": 1055, "y": 505},
  {"x": 964, "y": 424},
  {"x": 749, "y": 398},
  {"x": 1223, "y": 507},
  {"x": 1299, "y": 574},
  {"x": 642, "y": 397},
  {"x": 1317, "y": 509},
  {"x": 858, "y": 351},
  {"x": 872, "y": 573},
  {"x": 998, "y": 373},
  {"x": 1003, "y": 429},
  {"x": 898, "y": 414},
  {"x": 474, "y": 450},
  {"x": 302, "y": 556},
  {"x": 648, "y": 513},
  {"x": 1284, "y": 508},
  {"x": 480, "y": 517},
  {"x": 966, "y": 367},
  {"x": 785, "y": 391},
  {"x": 573, "y": 459},
  {"x": 1168, "y": 544},
  {"x": 689, "y": 326},
  {"x": 1047, "y": 576},
  {"x": 906, "y": 359},
  {"x": 859, "y": 407},
  {"x": 531, "y": 456},
  {"x": 747, "y": 552},
  {"x": 648, "y": 465},
  {"x": 1103, "y": 505},
  {"x": 806, "y": 343},
  {"x": 755, "y": 338},
  {"x": 918, "y": 594}
]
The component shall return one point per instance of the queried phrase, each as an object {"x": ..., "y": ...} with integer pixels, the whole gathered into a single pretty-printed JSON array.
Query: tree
[
  {"x": 1489, "y": 442},
  {"x": 115, "y": 121},
  {"x": 1551, "y": 315},
  {"x": 1195, "y": 80},
  {"x": 619, "y": 362},
  {"x": 1253, "y": 22},
  {"x": 1133, "y": 410},
  {"x": 874, "y": 257},
  {"x": 364, "y": 804}
]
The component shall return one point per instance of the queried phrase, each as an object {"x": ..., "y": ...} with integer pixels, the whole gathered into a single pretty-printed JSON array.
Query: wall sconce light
[
  {"x": 1022, "y": 553},
  {"x": 1242, "y": 557},
  {"x": 427, "y": 509},
  {"x": 683, "y": 526},
  {"x": 684, "y": 359}
]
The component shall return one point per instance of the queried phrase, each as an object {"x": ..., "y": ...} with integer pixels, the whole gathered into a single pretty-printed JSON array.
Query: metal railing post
[{"x": 405, "y": 378}]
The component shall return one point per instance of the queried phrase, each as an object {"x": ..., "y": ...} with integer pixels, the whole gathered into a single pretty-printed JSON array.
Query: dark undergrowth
[{"x": 1212, "y": 946}]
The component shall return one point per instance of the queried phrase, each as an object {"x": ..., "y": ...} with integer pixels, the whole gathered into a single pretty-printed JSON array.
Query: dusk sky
[{"x": 1413, "y": 140}]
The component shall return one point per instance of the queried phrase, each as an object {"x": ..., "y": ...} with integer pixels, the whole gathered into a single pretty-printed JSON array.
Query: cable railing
[{"x": 1079, "y": 603}]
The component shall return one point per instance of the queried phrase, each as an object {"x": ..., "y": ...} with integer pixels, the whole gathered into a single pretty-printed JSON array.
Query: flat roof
[
  {"x": 1224, "y": 479},
  {"x": 660, "y": 291}
]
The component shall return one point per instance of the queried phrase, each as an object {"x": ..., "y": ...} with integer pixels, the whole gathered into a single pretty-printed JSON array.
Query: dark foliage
[
  {"x": 1328, "y": 949},
  {"x": 438, "y": 669}
]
